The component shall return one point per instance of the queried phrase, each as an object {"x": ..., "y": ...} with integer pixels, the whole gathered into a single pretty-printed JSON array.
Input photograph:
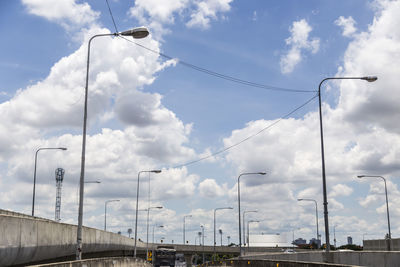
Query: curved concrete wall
[{"x": 28, "y": 239}]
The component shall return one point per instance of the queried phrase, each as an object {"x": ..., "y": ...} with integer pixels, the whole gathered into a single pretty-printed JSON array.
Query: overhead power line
[
  {"x": 222, "y": 76},
  {"x": 247, "y": 138}
]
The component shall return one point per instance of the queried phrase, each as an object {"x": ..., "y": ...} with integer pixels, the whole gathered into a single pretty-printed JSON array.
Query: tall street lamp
[
  {"x": 215, "y": 211},
  {"x": 184, "y": 230},
  {"x": 137, "y": 203},
  {"x": 34, "y": 174},
  {"x": 105, "y": 211},
  {"x": 158, "y": 226},
  {"x": 147, "y": 239},
  {"x": 366, "y": 78},
  {"x": 136, "y": 33},
  {"x": 202, "y": 233},
  {"x": 387, "y": 204},
  {"x": 316, "y": 213},
  {"x": 244, "y": 223},
  {"x": 240, "y": 231},
  {"x": 248, "y": 233}
]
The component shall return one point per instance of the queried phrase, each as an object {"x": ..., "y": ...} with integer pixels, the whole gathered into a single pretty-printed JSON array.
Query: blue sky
[{"x": 149, "y": 112}]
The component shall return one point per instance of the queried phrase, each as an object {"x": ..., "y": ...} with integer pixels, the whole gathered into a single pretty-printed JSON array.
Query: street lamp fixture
[
  {"x": 366, "y": 78},
  {"x": 387, "y": 206},
  {"x": 244, "y": 223},
  {"x": 215, "y": 211},
  {"x": 34, "y": 173},
  {"x": 248, "y": 232},
  {"x": 105, "y": 211},
  {"x": 137, "y": 33},
  {"x": 316, "y": 213},
  {"x": 137, "y": 203},
  {"x": 240, "y": 231},
  {"x": 184, "y": 230},
  {"x": 147, "y": 239}
]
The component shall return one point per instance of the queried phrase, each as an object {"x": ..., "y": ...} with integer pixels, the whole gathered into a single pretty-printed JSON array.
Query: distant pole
[
  {"x": 387, "y": 207},
  {"x": 215, "y": 212},
  {"x": 184, "y": 230},
  {"x": 240, "y": 233},
  {"x": 105, "y": 211},
  {"x": 34, "y": 174},
  {"x": 244, "y": 223},
  {"x": 202, "y": 231},
  {"x": 316, "y": 214}
]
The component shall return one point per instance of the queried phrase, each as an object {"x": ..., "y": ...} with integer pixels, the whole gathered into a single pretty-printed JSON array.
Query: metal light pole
[
  {"x": 184, "y": 217},
  {"x": 240, "y": 233},
  {"x": 202, "y": 231},
  {"x": 147, "y": 239},
  {"x": 34, "y": 174},
  {"x": 367, "y": 78},
  {"x": 137, "y": 203},
  {"x": 248, "y": 233},
  {"x": 215, "y": 211},
  {"x": 135, "y": 33},
  {"x": 159, "y": 226},
  {"x": 244, "y": 223},
  {"x": 387, "y": 205},
  {"x": 316, "y": 214},
  {"x": 105, "y": 211}
]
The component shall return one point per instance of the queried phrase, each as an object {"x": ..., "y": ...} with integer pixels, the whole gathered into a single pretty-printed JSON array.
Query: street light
[
  {"x": 215, "y": 211},
  {"x": 387, "y": 204},
  {"x": 316, "y": 214},
  {"x": 248, "y": 233},
  {"x": 240, "y": 233},
  {"x": 244, "y": 222},
  {"x": 34, "y": 174},
  {"x": 137, "y": 202},
  {"x": 105, "y": 211},
  {"x": 184, "y": 217},
  {"x": 202, "y": 231},
  {"x": 367, "y": 78},
  {"x": 158, "y": 226},
  {"x": 147, "y": 239},
  {"x": 137, "y": 33}
]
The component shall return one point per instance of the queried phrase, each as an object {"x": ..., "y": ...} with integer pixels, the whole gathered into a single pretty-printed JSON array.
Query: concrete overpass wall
[
  {"x": 381, "y": 244},
  {"x": 359, "y": 258},
  {"x": 26, "y": 239},
  {"x": 104, "y": 262}
]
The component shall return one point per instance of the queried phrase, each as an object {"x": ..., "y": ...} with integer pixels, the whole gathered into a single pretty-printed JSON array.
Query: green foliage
[{"x": 352, "y": 247}]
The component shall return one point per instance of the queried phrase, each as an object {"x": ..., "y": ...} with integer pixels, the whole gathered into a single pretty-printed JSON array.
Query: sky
[{"x": 218, "y": 88}]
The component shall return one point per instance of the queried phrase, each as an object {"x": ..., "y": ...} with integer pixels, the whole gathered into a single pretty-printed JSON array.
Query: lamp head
[
  {"x": 158, "y": 207},
  {"x": 156, "y": 171},
  {"x": 262, "y": 173},
  {"x": 370, "y": 78},
  {"x": 136, "y": 33},
  {"x": 62, "y": 148},
  {"x": 299, "y": 199},
  {"x": 360, "y": 176}
]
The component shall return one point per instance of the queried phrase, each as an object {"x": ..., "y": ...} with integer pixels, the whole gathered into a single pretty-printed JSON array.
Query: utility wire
[
  {"x": 247, "y": 138},
  {"x": 222, "y": 76},
  {"x": 112, "y": 17}
]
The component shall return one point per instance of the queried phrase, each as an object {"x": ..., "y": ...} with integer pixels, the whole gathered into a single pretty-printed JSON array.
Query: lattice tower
[{"x": 59, "y": 178}]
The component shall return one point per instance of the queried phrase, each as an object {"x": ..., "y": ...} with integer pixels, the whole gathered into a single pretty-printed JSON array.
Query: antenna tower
[{"x": 59, "y": 178}]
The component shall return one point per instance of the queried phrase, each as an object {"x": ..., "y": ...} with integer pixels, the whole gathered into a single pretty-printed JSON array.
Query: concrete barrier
[
  {"x": 25, "y": 239},
  {"x": 276, "y": 263},
  {"x": 358, "y": 258},
  {"x": 103, "y": 262}
]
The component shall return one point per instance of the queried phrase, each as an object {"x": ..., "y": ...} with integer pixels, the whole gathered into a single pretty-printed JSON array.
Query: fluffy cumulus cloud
[
  {"x": 197, "y": 13},
  {"x": 49, "y": 114},
  {"x": 347, "y": 24},
  {"x": 298, "y": 42},
  {"x": 210, "y": 189},
  {"x": 361, "y": 132},
  {"x": 68, "y": 13}
]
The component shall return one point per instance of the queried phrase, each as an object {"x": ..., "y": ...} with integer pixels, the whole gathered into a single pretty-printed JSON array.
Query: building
[
  {"x": 315, "y": 241},
  {"x": 349, "y": 240},
  {"x": 269, "y": 240}
]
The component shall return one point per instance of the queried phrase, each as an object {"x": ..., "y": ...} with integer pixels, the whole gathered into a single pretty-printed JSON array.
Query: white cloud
[
  {"x": 340, "y": 190},
  {"x": 68, "y": 13},
  {"x": 209, "y": 188},
  {"x": 347, "y": 24},
  {"x": 158, "y": 14},
  {"x": 298, "y": 41}
]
